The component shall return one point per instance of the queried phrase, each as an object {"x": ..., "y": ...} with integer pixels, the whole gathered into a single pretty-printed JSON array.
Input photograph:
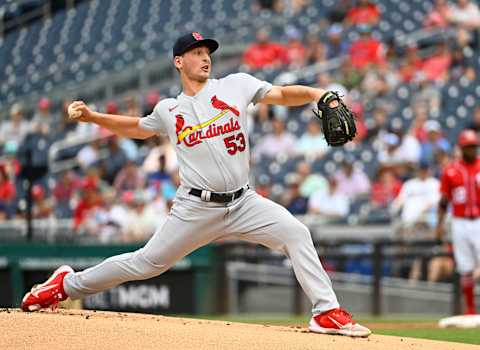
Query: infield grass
[{"x": 400, "y": 326}]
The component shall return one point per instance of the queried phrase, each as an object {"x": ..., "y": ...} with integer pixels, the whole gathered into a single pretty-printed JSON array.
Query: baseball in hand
[{"x": 73, "y": 113}]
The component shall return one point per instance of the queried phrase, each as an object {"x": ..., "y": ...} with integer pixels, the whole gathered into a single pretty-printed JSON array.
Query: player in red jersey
[{"x": 460, "y": 186}]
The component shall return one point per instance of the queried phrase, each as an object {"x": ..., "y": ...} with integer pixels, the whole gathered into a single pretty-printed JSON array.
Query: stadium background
[{"x": 409, "y": 69}]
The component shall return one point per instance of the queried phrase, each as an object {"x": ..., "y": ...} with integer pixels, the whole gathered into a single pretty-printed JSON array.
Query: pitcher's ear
[{"x": 177, "y": 61}]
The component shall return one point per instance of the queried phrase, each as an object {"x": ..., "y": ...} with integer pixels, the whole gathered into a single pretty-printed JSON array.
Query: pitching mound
[{"x": 69, "y": 329}]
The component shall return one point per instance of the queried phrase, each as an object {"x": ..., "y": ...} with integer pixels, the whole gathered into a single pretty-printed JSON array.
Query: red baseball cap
[{"x": 468, "y": 137}]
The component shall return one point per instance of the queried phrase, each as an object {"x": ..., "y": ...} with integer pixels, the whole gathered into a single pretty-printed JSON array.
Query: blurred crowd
[{"x": 118, "y": 189}]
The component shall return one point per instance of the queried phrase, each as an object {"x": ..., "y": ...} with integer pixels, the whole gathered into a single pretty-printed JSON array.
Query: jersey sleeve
[
  {"x": 155, "y": 121},
  {"x": 445, "y": 188},
  {"x": 253, "y": 88}
]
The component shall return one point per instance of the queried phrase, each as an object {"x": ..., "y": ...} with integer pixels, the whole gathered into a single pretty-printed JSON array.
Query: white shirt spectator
[
  {"x": 279, "y": 142},
  {"x": 312, "y": 143},
  {"x": 87, "y": 156},
  {"x": 328, "y": 204},
  {"x": 407, "y": 152},
  {"x": 416, "y": 198},
  {"x": 468, "y": 15},
  {"x": 354, "y": 184}
]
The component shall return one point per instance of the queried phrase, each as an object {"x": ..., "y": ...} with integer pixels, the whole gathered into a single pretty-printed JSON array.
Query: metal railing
[{"x": 379, "y": 251}]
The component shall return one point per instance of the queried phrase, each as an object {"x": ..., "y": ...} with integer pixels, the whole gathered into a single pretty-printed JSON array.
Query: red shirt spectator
[
  {"x": 411, "y": 66},
  {"x": 295, "y": 50},
  {"x": 438, "y": 17},
  {"x": 264, "y": 53},
  {"x": 435, "y": 68},
  {"x": 296, "y": 53},
  {"x": 90, "y": 199},
  {"x": 7, "y": 188},
  {"x": 364, "y": 13},
  {"x": 385, "y": 189},
  {"x": 66, "y": 185},
  {"x": 367, "y": 50}
]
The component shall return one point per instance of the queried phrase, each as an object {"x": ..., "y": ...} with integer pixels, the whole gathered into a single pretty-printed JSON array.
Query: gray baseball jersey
[{"x": 210, "y": 131}]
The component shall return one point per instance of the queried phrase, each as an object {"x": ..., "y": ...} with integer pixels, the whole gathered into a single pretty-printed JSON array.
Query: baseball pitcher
[{"x": 207, "y": 125}]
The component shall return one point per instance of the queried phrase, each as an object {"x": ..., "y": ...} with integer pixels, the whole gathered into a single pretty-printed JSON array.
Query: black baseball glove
[{"x": 338, "y": 123}]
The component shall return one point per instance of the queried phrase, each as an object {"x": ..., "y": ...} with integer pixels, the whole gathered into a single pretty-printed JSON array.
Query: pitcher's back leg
[{"x": 175, "y": 239}]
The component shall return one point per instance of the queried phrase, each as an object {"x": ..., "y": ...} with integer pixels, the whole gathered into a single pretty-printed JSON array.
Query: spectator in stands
[
  {"x": 367, "y": 50},
  {"x": 330, "y": 204},
  {"x": 474, "y": 124},
  {"x": 420, "y": 117},
  {"x": 338, "y": 13},
  {"x": 351, "y": 77},
  {"x": 295, "y": 50},
  {"x": 435, "y": 142},
  {"x": 151, "y": 101},
  {"x": 115, "y": 161},
  {"x": 111, "y": 107},
  {"x": 43, "y": 120},
  {"x": 13, "y": 131},
  {"x": 461, "y": 67},
  {"x": 7, "y": 194},
  {"x": 89, "y": 154},
  {"x": 130, "y": 178},
  {"x": 161, "y": 175},
  {"x": 377, "y": 126},
  {"x": 438, "y": 16},
  {"x": 442, "y": 159},
  {"x": 465, "y": 14},
  {"x": 352, "y": 181},
  {"x": 312, "y": 143},
  {"x": 132, "y": 107},
  {"x": 141, "y": 219},
  {"x": 67, "y": 127},
  {"x": 385, "y": 188},
  {"x": 278, "y": 142},
  {"x": 337, "y": 45},
  {"x": 63, "y": 193},
  {"x": 160, "y": 146},
  {"x": 364, "y": 12},
  {"x": 399, "y": 149},
  {"x": 316, "y": 50},
  {"x": 417, "y": 202},
  {"x": 293, "y": 199},
  {"x": 435, "y": 67},
  {"x": 105, "y": 222},
  {"x": 42, "y": 205},
  {"x": 411, "y": 64},
  {"x": 377, "y": 85},
  {"x": 429, "y": 94},
  {"x": 310, "y": 182},
  {"x": 264, "y": 52},
  {"x": 90, "y": 198}
]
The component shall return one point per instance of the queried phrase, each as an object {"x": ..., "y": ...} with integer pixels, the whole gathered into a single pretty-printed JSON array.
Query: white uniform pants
[
  {"x": 194, "y": 223},
  {"x": 466, "y": 244}
]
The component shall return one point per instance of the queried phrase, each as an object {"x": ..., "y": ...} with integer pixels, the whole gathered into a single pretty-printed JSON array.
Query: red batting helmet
[{"x": 468, "y": 138}]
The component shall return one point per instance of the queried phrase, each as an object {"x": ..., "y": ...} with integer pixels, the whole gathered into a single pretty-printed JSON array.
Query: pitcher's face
[{"x": 196, "y": 63}]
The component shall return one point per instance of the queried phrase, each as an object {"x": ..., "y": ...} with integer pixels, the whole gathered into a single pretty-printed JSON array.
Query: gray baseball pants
[{"x": 193, "y": 223}]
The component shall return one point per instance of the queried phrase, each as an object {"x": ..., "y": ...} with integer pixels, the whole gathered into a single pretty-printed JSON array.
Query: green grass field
[{"x": 404, "y": 326}]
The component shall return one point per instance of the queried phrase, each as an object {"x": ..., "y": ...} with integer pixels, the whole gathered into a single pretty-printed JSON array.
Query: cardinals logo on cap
[{"x": 197, "y": 36}]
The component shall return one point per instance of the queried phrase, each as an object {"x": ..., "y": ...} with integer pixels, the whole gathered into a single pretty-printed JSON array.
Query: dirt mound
[{"x": 69, "y": 329}]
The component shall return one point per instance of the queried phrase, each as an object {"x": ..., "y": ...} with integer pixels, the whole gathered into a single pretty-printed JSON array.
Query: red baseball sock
[{"x": 468, "y": 284}]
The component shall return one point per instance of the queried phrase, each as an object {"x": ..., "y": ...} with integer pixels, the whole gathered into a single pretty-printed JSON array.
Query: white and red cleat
[
  {"x": 49, "y": 293},
  {"x": 337, "y": 321}
]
